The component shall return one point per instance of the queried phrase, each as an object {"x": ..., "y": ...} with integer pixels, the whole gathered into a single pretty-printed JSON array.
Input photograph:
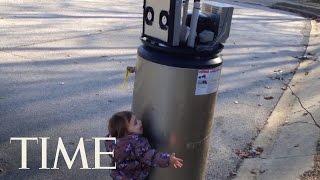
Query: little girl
[{"x": 133, "y": 154}]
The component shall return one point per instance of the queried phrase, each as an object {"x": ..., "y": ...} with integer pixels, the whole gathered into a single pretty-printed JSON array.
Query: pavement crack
[
  {"x": 306, "y": 107},
  {"x": 302, "y": 106}
]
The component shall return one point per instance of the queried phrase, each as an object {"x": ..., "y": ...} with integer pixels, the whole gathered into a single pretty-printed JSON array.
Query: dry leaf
[{"x": 268, "y": 97}]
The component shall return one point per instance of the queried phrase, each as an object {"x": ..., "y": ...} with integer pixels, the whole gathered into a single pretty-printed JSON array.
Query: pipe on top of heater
[
  {"x": 194, "y": 23},
  {"x": 185, "y": 12},
  {"x": 184, "y": 28}
]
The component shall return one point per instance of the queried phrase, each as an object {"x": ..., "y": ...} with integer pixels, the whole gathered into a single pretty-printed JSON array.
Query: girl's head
[{"x": 123, "y": 123}]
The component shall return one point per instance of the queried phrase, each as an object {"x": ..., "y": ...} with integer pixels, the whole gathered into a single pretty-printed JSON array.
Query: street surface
[{"x": 62, "y": 67}]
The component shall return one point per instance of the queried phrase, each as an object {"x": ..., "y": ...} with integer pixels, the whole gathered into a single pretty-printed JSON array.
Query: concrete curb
[{"x": 302, "y": 9}]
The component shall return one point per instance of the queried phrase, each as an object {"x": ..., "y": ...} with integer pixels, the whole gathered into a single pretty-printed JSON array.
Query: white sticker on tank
[{"x": 207, "y": 81}]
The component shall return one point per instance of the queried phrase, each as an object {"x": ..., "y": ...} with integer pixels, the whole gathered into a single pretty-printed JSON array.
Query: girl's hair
[{"x": 118, "y": 124}]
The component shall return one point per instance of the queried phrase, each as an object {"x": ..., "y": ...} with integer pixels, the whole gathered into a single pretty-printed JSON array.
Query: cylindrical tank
[{"x": 174, "y": 96}]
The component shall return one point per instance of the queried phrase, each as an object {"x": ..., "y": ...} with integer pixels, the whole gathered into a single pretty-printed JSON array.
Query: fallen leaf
[
  {"x": 239, "y": 152},
  {"x": 259, "y": 149},
  {"x": 253, "y": 171},
  {"x": 262, "y": 171},
  {"x": 250, "y": 144},
  {"x": 243, "y": 155},
  {"x": 268, "y": 97},
  {"x": 278, "y": 71},
  {"x": 306, "y": 73},
  {"x": 255, "y": 153},
  {"x": 279, "y": 78},
  {"x": 258, "y": 130},
  {"x": 131, "y": 69},
  {"x": 249, "y": 152}
]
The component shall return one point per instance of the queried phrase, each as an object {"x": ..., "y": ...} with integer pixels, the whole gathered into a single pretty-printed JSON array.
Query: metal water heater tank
[{"x": 174, "y": 96}]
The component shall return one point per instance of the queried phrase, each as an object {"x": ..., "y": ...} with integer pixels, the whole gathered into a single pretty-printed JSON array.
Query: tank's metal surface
[{"x": 174, "y": 118}]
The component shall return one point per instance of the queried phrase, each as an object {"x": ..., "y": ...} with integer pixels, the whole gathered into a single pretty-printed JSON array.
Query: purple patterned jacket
[{"x": 134, "y": 157}]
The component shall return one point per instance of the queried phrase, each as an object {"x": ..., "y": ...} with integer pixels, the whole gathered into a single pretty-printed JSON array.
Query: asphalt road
[{"x": 62, "y": 68}]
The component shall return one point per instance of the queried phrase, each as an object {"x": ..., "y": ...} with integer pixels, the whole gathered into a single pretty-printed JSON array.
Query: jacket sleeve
[
  {"x": 128, "y": 165},
  {"x": 150, "y": 156},
  {"x": 120, "y": 154}
]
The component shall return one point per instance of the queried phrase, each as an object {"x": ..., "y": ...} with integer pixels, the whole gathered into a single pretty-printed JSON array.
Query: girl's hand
[{"x": 175, "y": 162}]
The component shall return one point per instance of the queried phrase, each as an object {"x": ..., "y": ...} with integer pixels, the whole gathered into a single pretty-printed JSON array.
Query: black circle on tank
[
  {"x": 147, "y": 11},
  {"x": 163, "y": 15},
  {"x": 175, "y": 60}
]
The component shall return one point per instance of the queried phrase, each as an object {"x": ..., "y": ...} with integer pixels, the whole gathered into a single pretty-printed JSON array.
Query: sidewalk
[
  {"x": 306, "y": 8},
  {"x": 290, "y": 138}
]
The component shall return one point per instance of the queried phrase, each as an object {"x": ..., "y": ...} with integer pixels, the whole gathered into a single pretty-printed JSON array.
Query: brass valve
[{"x": 129, "y": 70}]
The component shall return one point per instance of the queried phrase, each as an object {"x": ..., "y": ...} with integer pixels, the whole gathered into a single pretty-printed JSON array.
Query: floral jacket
[{"x": 134, "y": 157}]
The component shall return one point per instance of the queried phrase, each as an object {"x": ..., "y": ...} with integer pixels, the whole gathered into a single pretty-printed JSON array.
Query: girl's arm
[
  {"x": 161, "y": 159},
  {"x": 128, "y": 165},
  {"x": 149, "y": 156},
  {"x": 156, "y": 159}
]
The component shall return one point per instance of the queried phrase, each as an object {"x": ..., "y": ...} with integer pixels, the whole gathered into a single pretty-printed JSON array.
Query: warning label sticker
[{"x": 207, "y": 81}]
